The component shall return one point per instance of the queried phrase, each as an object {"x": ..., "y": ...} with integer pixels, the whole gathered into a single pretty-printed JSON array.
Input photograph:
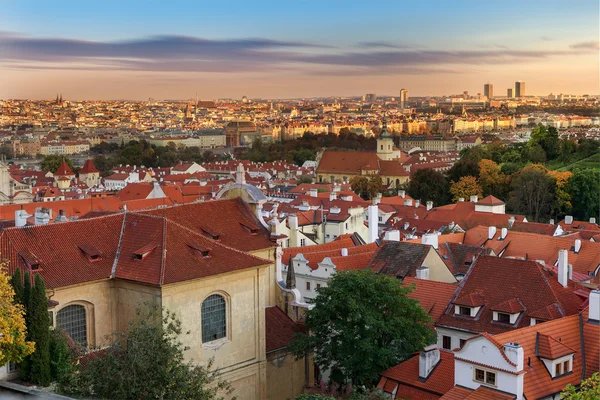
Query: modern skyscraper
[
  {"x": 519, "y": 89},
  {"x": 488, "y": 90},
  {"x": 510, "y": 93},
  {"x": 370, "y": 97},
  {"x": 403, "y": 97}
]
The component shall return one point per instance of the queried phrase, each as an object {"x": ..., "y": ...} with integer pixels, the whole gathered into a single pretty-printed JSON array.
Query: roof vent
[
  {"x": 144, "y": 251},
  {"x": 200, "y": 250},
  {"x": 92, "y": 253}
]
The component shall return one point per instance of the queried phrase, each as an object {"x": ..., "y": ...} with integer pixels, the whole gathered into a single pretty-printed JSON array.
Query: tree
[
  {"x": 61, "y": 357},
  {"x": 13, "y": 332},
  {"x": 588, "y": 390},
  {"x": 358, "y": 184},
  {"x": 145, "y": 362},
  {"x": 39, "y": 332},
  {"x": 362, "y": 324},
  {"x": 52, "y": 163},
  {"x": 492, "y": 181},
  {"x": 533, "y": 194},
  {"x": 462, "y": 168},
  {"x": 428, "y": 184},
  {"x": 583, "y": 187},
  {"x": 466, "y": 187},
  {"x": 24, "y": 367},
  {"x": 563, "y": 198},
  {"x": 16, "y": 281}
]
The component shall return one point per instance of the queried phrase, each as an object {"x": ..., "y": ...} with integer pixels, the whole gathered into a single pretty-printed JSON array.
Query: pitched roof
[
  {"x": 550, "y": 348},
  {"x": 136, "y": 191},
  {"x": 350, "y": 163},
  {"x": 279, "y": 328},
  {"x": 229, "y": 216},
  {"x": 508, "y": 284},
  {"x": 490, "y": 201},
  {"x": 460, "y": 257},
  {"x": 399, "y": 259},
  {"x": 433, "y": 296},
  {"x": 518, "y": 245},
  {"x": 136, "y": 247},
  {"x": 88, "y": 167},
  {"x": 440, "y": 380},
  {"x": 534, "y": 227},
  {"x": 481, "y": 393},
  {"x": 64, "y": 169},
  {"x": 568, "y": 332}
]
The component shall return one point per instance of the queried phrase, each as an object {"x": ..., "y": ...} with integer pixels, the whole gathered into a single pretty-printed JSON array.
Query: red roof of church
[
  {"x": 64, "y": 169},
  {"x": 88, "y": 168}
]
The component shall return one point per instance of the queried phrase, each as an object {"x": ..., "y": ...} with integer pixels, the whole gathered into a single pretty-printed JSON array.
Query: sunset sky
[{"x": 278, "y": 49}]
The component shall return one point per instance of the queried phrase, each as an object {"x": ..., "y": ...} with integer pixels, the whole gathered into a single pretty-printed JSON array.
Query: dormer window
[
  {"x": 200, "y": 250},
  {"x": 556, "y": 356},
  {"x": 462, "y": 310},
  {"x": 211, "y": 233},
  {"x": 144, "y": 252},
  {"x": 30, "y": 260},
  {"x": 92, "y": 253},
  {"x": 253, "y": 229},
  {"x": 504, "y": 318}
]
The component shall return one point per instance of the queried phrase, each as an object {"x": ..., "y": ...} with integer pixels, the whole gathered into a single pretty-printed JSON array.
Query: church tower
[{"x": 385, "y": 143}]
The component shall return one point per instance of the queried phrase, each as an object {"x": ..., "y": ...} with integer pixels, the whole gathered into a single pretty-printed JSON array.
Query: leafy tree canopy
[
  {"x": 588, "y": 390},
  {"x": 52, "y": 163},
  {"x": 429, "y": 185},
  {"x": 362, "y": 324},
  {"x": 145, "y": 362}
]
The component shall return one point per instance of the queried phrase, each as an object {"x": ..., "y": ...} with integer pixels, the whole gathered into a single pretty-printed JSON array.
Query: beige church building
[{"x": 216, "y": 265}]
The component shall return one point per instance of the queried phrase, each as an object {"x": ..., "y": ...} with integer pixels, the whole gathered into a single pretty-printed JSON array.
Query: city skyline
[{"x": 135, "y": 51}]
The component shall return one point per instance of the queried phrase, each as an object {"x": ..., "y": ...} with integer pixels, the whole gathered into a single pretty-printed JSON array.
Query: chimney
[
  {"x": 373, "y": 212},
  {"x": 344, "y": 252},
  {"x": 293, "y": 225},
  {"x": 42, "y": 215},
  {"x": 429, "y": 205},
  {"x": 511, "y": 221},
  {"x": 594, "y": 307},
  {"x": 428, "y": 359},
  {"x": 503, "y": 233},
  {"x": 592, "y": 220},
  {"x": 406, "y": 225},
  {"x": 21, "y": 218},
  {"x": 408, "y": 203},
  {"x": 568, "y": 219},
  {"x": 551, "y": 222},
  {"x": 332, "y": 196},
  {"x": 577, "y": 245},
  {"x": 461, "y": 199},
  {"x": 491, "y": 232},
  {"x": 274, "y": 227},
  {"x": 515, "y": 353},
  {"x": 402, "y": 193},
  {"x": 62, "y": 217},
  {"x": 423, "y": 272},
  {"x": 473, "y": 199},
  {"x": 392, "y": 236},
  {"x": 417, "y": 203},
  {"x": 563, "y": 272},
  {"x": 337, "y": 188},
  {"x": 570, "y": 271},
  {"x": 313, "y": 192},
  {"x": 377, "y": 199},
  {"x": 430, "y": 239}
]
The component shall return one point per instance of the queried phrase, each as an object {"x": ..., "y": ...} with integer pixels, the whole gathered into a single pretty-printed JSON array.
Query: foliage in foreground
[
  {"x": 588, "y": 390},
  {"x": 362, "y": 324},
  {"x": 146, "y": 362},
  {"x": 13, "y": 344}
]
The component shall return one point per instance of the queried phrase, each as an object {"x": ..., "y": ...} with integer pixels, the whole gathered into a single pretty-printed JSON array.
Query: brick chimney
[{"x": 428, "y": 359}]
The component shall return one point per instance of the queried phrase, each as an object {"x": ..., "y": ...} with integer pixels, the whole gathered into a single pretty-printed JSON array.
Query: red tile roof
[
  {"x": 497, "y": 283},
  {"x": 490, "y": 201},
  {"x": 279, "y": 328},
  {"x": 151, "y": 249},
  {"x": 432, "y": 296},
  {"x": 550, "y": 348},
  {"x": 136, "y": 191},
  {"x": 227, "y": 216},
  {"x": 64, "y": 169},
  {"x": 88, "y": 168},
  {"x": 440, "y": 380}
]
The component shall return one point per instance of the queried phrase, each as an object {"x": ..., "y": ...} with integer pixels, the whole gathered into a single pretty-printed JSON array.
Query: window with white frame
[
  {"x": 485, "y": 376},
  {"x": 302, "y": 242},
  {"x": 214, "y": 318}
]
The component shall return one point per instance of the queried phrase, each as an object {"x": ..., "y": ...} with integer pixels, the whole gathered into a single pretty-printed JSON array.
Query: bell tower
[{"x": 385, "y": 143}]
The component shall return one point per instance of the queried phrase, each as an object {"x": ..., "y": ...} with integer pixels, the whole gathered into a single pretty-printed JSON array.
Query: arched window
[
  {"x": 214, "y": 318},
  {"x": 73, "y": 320}
]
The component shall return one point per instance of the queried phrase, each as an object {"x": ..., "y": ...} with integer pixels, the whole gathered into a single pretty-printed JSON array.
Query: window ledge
[{"x": 215, "y": 344}]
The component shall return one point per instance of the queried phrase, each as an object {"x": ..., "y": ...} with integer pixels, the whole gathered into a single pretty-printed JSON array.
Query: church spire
[{"x": 384, "y": 131}]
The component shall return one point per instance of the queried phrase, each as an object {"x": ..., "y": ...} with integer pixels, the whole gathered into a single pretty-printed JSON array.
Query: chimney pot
[
  {"x": 491, "y": 232},
  {"x": 568, "y": 219},
  {"x": 429, "y": 205},
  {"x": 592, "y": 220}
]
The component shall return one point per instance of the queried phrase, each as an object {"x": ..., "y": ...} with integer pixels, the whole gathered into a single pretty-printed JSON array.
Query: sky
[{"x": 137, "y": 50}]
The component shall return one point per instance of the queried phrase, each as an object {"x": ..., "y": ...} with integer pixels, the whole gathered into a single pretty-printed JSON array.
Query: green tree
[
  {"x": 362, "y": 324},
  {"x": 359, "y": 184},
  {"x": 52, "y": 163},
  {"x": 533, "y": 194},
  {"x": 588, "y": 390},
  {"x": 16, "y": 282},
  {"x": 39, "y": 330},
  {"x": 145, "y": 362},
  {"x": 24, "y": 367},
  {"x": 584, "y": 188},
  {"x": 429, "y": 185},
  {"x": 463, "y": 167},
  {"x": 61, "y": 357}
]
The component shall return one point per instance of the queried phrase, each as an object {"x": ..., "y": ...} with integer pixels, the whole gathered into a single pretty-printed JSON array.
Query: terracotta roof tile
[
  {"x": 279, "y": 328},
  {"x": 432, "y": 296}
]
